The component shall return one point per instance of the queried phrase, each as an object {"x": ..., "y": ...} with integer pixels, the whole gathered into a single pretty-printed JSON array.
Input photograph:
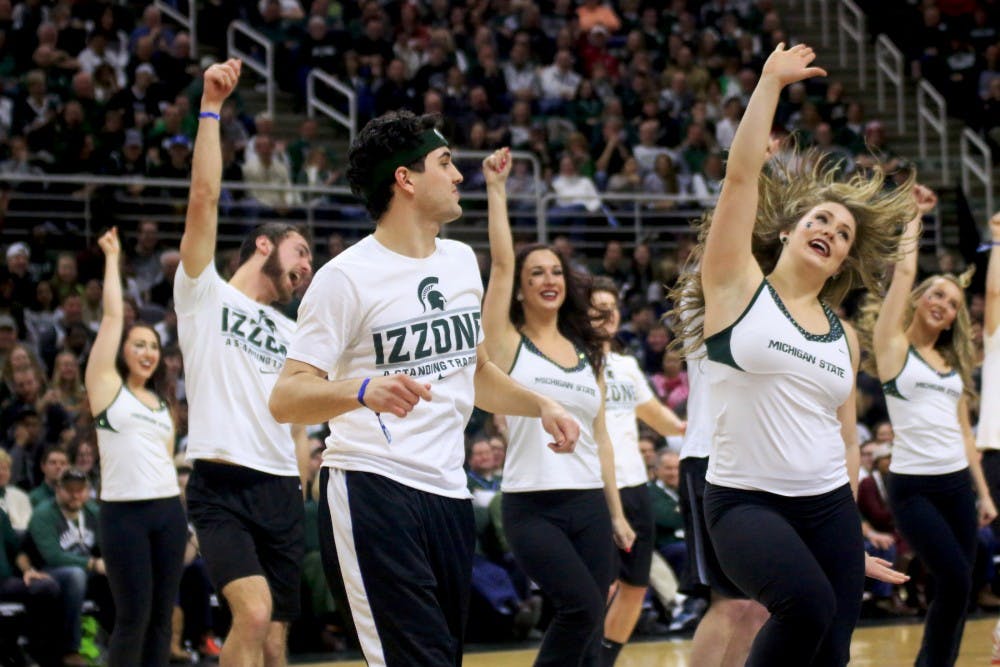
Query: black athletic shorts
[
  {"x": 250, "y": 523},
  {"x": 703, "y": 572},
  {"x": 633, "y": 566}
]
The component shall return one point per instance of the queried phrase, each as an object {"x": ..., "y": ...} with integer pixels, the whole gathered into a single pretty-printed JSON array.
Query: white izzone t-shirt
[
  {"x": 626, "y": 387},
  {"x": 371, "y": 312},
  {"x": 234, "y": 348}
]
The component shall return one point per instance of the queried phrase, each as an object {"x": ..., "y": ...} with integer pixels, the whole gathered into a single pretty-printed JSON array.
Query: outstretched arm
[
  {"x": 889, "y": 335},
  {"x": 729, "y": 272},
  {"x": 660, "y": 418},
  {"x": 502, "y": 338},
  {"x": 101, "y": 377},
  {"x": 992, "y": 319},
  {"x": 200, "y": 226}
]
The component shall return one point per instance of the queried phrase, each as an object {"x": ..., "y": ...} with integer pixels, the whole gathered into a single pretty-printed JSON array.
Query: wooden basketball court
[{"x": 882, "y": 646}]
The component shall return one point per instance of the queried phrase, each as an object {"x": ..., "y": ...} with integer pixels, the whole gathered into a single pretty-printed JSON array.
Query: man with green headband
[{"x": 389, "y": 350}]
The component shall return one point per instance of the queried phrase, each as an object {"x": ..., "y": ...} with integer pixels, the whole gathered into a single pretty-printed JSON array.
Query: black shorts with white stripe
[
  {"x": 703, "y": 572},
  {"x": 405, "y": 558}
]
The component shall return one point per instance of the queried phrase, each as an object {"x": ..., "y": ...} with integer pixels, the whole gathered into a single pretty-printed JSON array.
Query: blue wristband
[
  {"x": 361, "y": 392},
  {"x": 209, "y": 114},
  {"x": 985, "y": 247}
]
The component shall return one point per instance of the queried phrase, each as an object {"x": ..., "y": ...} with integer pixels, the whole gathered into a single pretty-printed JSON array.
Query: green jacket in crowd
[{"x": 61, "y": 543}]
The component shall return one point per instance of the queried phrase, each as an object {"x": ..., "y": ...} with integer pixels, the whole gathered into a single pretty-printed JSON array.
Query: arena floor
[{"x": 874, "y": 646}]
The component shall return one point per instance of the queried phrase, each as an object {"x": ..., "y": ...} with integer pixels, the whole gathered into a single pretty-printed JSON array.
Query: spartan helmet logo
[
  {"x": 264, "y": 321},
  {"x": 430, "y": 297}
]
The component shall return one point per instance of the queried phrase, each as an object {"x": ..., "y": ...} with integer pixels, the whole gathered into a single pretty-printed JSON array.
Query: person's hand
[
  {"x": 395, "y": 394},
  {"x": 880, "y": 569},
  {"x": 987, "y": 511},
  {"x": 496, "y": 167},
  {"x": 995, "y": 226},
  {"x": 31, "y": 574},
  {"x": 880, "y": 540},
  {"x": 790, "y": 65},
  {"x": 623, "y": 533},
  {"x": 220, "y": 81},
  {"x": 561, "y": 426},
  {"x": 109, "y": 243},
  {"x": 99, "y": 566},
  {"x": 925, "y": 198}
]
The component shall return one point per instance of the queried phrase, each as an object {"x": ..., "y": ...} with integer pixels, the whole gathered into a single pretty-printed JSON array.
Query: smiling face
[
  {"x": 288, "y": 265},
  {"x": 823, "y": 237},
  {"x": 435, "y": 189},
  {"x": 141, "y": 351},
  {"x": 542, "y": 281},
  {"x": 937, "y": 306}
]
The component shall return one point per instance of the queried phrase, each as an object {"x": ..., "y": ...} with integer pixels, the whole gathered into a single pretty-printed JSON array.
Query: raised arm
[
  {"x": 501, "y": 337},
  {"x": 992, "y": 319},
  {"x": 729, "y": 273},
  {"x": 889, "y": 334},
  {"x": 200, "y": 226},
  {"x": 101, "y": 377}
]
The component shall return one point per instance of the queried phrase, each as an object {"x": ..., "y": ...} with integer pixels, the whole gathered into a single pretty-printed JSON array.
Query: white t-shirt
[
  {"x": 135, "y": 443},
  {"x": 698, "y": 436},
  {"x": 234, "y": 349},
  {"x": 988, "y": 435},
  {"x": 530, "y": 464},
  {"x": 626, "y": 387},
  {"x": 371, "y": 312}
]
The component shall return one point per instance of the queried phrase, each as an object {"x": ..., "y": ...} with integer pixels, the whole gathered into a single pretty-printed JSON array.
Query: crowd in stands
[{"x": 621, "y": 97}]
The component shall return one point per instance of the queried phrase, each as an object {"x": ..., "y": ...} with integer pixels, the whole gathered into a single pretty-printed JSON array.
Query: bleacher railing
[
  {"x": 851, "y": 25},
  {"x": 188, "y": 21},
  {"x": 84, "y": 205},
  {"x": 824, "y": 17},
  {"x": 889, "y": 67},
  {"x": 314, "y": 103},
  {"x": 932, "y": 112},
  {"x": 251, "y": 59},
  {"x": 979, "y": 166}
]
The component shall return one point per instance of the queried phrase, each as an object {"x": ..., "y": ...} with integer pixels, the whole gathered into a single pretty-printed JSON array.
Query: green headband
[{"x": 429, "y": 140}]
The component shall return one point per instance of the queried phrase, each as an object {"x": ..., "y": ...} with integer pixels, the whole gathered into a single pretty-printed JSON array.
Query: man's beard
[{"x": 273, "y": 270}]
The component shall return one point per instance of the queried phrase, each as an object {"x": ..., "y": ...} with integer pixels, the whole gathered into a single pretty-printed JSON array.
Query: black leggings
[
  {"x": 803, "y": 559},
  {"x": 142, "y": 542},
  {"x": 562, "y": 541},
  {"x": 937, "y": 516}
]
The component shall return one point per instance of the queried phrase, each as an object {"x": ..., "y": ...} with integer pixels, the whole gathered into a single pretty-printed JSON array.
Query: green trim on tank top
[
  {"x": 836, "y": 328},
  {"x": 581, "y": 362},
  {"x": 718, "y": 347},
  {"x": 890, "y": 388}
]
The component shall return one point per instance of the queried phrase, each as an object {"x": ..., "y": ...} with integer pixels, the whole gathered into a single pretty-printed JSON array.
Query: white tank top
[
  {"x": 988, "y": 433},
  {"x": 135, "y": 443},
  {"x": 923, "y": 409},
  {"x": 530, "y": 464},
  {"x": 775, "y": 392},
  {"x": 625, "y": 387}
]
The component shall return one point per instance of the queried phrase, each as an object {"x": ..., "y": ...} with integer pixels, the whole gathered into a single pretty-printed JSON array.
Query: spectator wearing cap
[
  {"x": 54, "y": 463},
  {"x": 140, "y": 101},
  {"x": 16, "y": 270},
  {"x": 129, "y": 160},
  {"x": 39, "y": 593},
  {"x": 65, "y": 539},
  {"x": 13, "y": 501},
  {"x": 177, "y": 165}
]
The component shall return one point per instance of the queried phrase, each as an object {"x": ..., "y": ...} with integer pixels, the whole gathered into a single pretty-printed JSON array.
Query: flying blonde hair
[
  {"x": 788, "y": 188},
  {"x": 954, "y": 344}
]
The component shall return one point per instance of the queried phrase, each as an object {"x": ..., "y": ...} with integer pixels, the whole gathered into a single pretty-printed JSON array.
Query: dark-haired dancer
[
  {"x": 628, "y": 397},
  {"x": 922, "y": 340},
  {"x": 560, "y": 513},
  {"x": 389, "y": 350},
  {"x": 244, "y": 496},
  {"x": 142, "y": 524},
  {"x": 779, "y": 503}
]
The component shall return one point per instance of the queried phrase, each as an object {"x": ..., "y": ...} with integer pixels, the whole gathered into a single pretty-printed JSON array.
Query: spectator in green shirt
[
  {"x": 54, "y": 462},
  {"x": 669, "y": 522}
]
